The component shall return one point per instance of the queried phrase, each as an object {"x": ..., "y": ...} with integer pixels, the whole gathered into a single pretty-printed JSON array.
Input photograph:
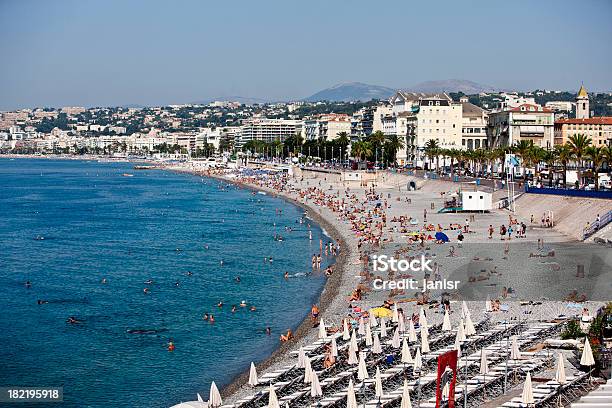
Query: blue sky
[{"x": 101, "y": 53}]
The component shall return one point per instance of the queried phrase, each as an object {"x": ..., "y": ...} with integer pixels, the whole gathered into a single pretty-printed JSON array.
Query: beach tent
[
  {"x": 406, "y": 357},
  {"x": 253, "y": 376},
  {"x": 351, "y": 400},
  {"x": 440, "y": 236},
  {"x": 406, "y": 403},
  {"x": 272, "y": 398},
  {"x": 214, "y": 400},
  {"x": 381, "y": 312}
]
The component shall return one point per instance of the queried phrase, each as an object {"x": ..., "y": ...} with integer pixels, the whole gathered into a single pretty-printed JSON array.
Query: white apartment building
[
  {"x": 473, "y": 125},
  {"x": 524, "y": 122},
  {"x": 268, "y": 130},
  {"x": 380, "y": 113},
  {"x": 328, "y": 126}
]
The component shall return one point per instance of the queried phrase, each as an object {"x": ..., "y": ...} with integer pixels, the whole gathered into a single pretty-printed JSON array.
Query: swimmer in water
[
  {"x": 148, "y": 282},
  {"x": 243, "y": 303},
  {"x": 237, "y": 279},
  {"x": 253, "y": 308},
  {"x": 145, "y": 290},
  {"x": 103, "y": 280},
  {"x": 220, "y": 304},
  {"x": 286, "y": 275},
  {"x": 72, "y": 320},
  {"x": 268, "y": 330},
  {"x": 189, "y": 273},
  {"x": 211, "y": 319},
  {"x": 233, "y": 308},
  {"x": 42, "y": 302},
  {"x": 205, "y": 316},
  {"x": 221, "y": 262},
  {"x": 177, "y": 283},
  {"x": 28, "y": 284}
]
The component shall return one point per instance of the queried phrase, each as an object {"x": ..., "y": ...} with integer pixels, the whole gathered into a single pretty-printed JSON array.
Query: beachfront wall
[{"x": 570, "y": 193}]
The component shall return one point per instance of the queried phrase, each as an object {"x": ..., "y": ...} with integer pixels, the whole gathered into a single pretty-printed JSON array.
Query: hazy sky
[{"x": 107, "y": 52}]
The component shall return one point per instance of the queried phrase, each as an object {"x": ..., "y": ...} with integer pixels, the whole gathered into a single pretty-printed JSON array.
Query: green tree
[
  {"x": 578, "y": 144},
  {"x": 598, "y": 156}
]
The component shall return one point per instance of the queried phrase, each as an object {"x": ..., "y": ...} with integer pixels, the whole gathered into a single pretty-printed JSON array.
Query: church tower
[{"x": 582, "y": 104}]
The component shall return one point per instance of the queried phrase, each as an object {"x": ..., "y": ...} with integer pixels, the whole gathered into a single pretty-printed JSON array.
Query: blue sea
[{"x": 67, "y": 225}]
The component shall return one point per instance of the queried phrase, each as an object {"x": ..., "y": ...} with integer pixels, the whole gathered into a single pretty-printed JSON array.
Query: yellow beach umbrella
[{"x": 381, "y": 312}]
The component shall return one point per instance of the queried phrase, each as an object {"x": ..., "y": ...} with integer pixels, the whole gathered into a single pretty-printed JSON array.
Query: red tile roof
[{"x": 601, "y": 120}]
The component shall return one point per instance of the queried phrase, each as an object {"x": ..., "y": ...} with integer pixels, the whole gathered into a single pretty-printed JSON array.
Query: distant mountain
[
  {"x": 452, "y": 85},
  {"x": 351, "y": 91},
  {"x": 242, "y": 99}
]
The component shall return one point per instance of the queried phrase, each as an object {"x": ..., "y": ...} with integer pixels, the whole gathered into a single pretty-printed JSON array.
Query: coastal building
[
  {"x": 524, "y": 122},
  {"x": 380, "y": 112},
  {"x": 582, "y": 104},
  {"x": 268, "y": 130},
  {"x": 327, "y": 126},
  {"x": 362, "y": 122},
  {"x": 560, "y": 106},
  {"x": 473, "y": 125},
  {"x": 598, "y": 129}
]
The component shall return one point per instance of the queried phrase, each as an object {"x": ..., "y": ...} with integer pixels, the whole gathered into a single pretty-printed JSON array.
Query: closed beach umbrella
[
  {"x": 345, "y": 331},
  {"x": 424, "y": 340},
  {"x": 334, "y": 347},
  {"x": 307, "y": 370},
  {"x": 401, "y": 325},
  {"x": 352, "y": 355},
  {"x": 301, "y": 358},
  {"x": 322, "y": 331},
  {"x": 199, "y": 397},
  {"x": 353, "y": 341},
  {"x": 484, "y": 367},
  {"x": 395, "y": 315},
  {"x": 422, "y": 318},
  {"x": 587, "y": 355},
  {"x": 368, "y": 336},
  {"x": 395, "y": 342},
  {"x": 488, "y": 305},
  {"x": 383, "y": 328},
  {"x": 406, "y": 357},
  {"x": 457, "y": 347},
  {"x": 527, "y": 395},
  {"x": 376, "y": 347},
  {"x": 515, "y": 353},
  {"x": 362, "y": 369},
  {"x": 361, "y": 328},
  {"x": 378, "y": 384},
  {"x": 465, "y": 311},
  {"x": 460, "y": 332},
  {"x": 418, "y": 362},
  {"x": 446, "y": 324},
  {"x": 406, "y": 403},
  {"x": 272, "y": 398},
  {"x": 253, "y": 376},
  {"x": 214, "y": 399},
  {"x": 560, "y": 373},
  {"x": 469, "y": 326},
  {"x": 446, "y": 391},
  {"x": 315, "y": 386},
  {"x": 373, "y": 321},
  {"x": 412, "y": 336},
  {"x": 351, "y": 400}
]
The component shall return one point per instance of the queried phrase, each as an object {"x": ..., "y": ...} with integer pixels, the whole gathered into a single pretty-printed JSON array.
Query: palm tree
[
  {"x": 550, "y": 158},
  {"x": 598, "y": 156},
  {"x": 361, "y": 149},
  {"x": 454, "y": 154},
  {"x": 578, "y": 144},
  {"x": 376, "y": 140},
  {"x": 523, "y": 148},
  {"x": 343, "y": 141},
  {"x": 431, "y": 149},
  {"x": 564, "y": 156},
  {"x": 392, "y": 145}
]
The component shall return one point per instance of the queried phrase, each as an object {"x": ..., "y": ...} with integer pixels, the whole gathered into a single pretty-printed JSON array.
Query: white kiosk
[{"x": 476, "y": 201}]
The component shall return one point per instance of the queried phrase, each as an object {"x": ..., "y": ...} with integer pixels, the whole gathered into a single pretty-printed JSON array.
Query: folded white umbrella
[
  {"x": 373, "y": 321},
  {"x": 465, "y": 311},
  {"x": 412, "y": 336},
  {"x": 353, "y": 341},
  {"x": 376, "y": 347},
  {"x": 307, "y": 370},
  {"x": 587, "y": 354},
  {"x": 418, "y": 362},
  {"x": 272, "y": 398},
  {"x": 488, "y": 305},
  {"x": 378, "y": 384},
  {"x": 515, "y": 353},
  {"x": 345, "y": 331},
  {"x": 351, "y": 400},
  {"x": 424, "y": 340},
  {"x": 527, "y": 395},
  {"x": 301, "y": 358},
  {"x": 446, "y": 324},
  {"x": 484, "y": 365},
  {"x": 334, "y": 347},
  {"x": 352, "y": 356},
  {"x": 395, "y": 342},
  {"x": 362, "y": 369},
  {"x": 322, "y": 330},
  {"x": 406, "y": 403},
  {"x": 560, "y": 373},
  {"x": 383, "y": 328},
  {"x": 401, "y": 324},
  {"x": 460, "y": 332},
  {"x": 361, "y": 328},
  {"x": 406, "y": 357},
  {"x": 253, "y": 376},
  {"x": 368, "y": 336},
  {"x": 315, "y": 386},
  {"x": 395, "y": 315},
  {"x": 458, "y": 347},
  {"x": 214, "y": 399},
  {"x": 469, "y": 326},
  {"x": 199, "y": 397},
  {"x": 422, "y": 318}
]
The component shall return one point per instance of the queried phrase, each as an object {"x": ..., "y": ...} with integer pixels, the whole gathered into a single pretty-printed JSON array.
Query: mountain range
[{"x": 358, "y": 91}]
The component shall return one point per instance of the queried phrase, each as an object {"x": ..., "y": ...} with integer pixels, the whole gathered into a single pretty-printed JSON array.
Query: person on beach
[
  {"x": 314, "y": 312},
  {"x": 286, "y": 337}
]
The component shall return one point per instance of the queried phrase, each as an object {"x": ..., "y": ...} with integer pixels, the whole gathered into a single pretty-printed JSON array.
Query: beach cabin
[{"x": 476, "y": 201}]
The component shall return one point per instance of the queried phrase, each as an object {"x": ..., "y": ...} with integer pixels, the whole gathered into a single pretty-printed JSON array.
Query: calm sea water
[{"x": 155, "y": 225}]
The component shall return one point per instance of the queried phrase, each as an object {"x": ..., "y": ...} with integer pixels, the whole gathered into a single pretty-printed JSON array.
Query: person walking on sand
[{"x": 491, "y": 230}]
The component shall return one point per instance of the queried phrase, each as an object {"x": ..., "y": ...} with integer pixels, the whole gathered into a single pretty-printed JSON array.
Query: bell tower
[{"x": 582, "y": 104}]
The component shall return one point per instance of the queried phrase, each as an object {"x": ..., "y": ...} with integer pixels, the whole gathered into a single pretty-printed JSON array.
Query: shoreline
[{"x": 330, "y": 295}]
